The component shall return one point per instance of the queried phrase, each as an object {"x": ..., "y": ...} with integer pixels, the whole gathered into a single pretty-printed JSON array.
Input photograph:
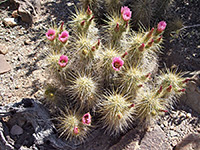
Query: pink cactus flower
[
  {"x": 117, "y": 63},
  {"x": 76, "y": 130},
  {"x": 63, "y": 37},
  {"x": 126, "y": 13},
  {"x": 161, "y": 26},
  {"x": 86, "y": 119},
  {"x": 63, "y": 61},
  {"x": 51, "y": 34}
]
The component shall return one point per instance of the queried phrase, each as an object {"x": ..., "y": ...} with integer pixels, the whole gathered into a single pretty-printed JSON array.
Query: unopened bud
[
  {"x": 93, "y": 48},
  {"x": 91, "y": 19},
  {"x": 84, "y": 52},
  {"x": 76, "y": 130},
  {"x": 82, "y": 23},
  {"x": 158, "y": 39},
  {"x": 126, "y": 24},
  {"x": 149, "y": 44},
  {"x": 98, "y": 43},
  {"x": 119, "y": 116},
  {"x": 89, "y": 12},
  {"x": 132, "y": 105},
  {"x": 182, "y": 90},
  {"x": 140, "y": 86},
  {"x": 141, "y": 48},
  {"x": 160, "y": 90},
  {"x": 124, "y": 54},
  {"x": 61, "y": 26},
  {"x": 186, "y": 80},
  {"x": 169, "y": 89},
  {"x": 117, "y": 27},
  {"x": 161, "y": 110},
  {"x": 51, "y": 94},
  {"x": 150, "y": 33},
  {"x": 148, "y": 75}
]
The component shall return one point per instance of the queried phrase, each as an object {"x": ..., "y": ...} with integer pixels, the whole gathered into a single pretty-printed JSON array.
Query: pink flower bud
[
  {"x": 93, "y": 48},
  {"x": 63, "y": 61},
  {"x": 161, "y": 110},
  {"x": 76, "y": 130},
  {"x": 51, "y": 34},
  {"x": 160, "y": 90},
  {"x": 132, "y": 105},
  {"x": 169, "y": 89},
  {"x": 82, "y": 23},
  {"x": 117, "y": 63},
  {"x": 161, "y": 26},
  {"x": 126, "y": 53},
  {"x": 117, "y": 27},
  {"x": 89, "y": 12},
  {"x": 186, "y": 80},
  {"x": 182, "y": 90},
  {"x": 149, "y": 44},
  {"x": 63, "y": 37},
  {"x": 141, "y": 48},
  {"x": 86, "y": 119},
  {"x": 148, "y": 75},
  {"x": 98, "y": 43},
  {"x": 61, "y": 26},
  {"x": 158, "y": 39},
  {"x": 126, "y": 13},
  {"x": 140, "y": 85},
  {"x": 149, "y": 35},
  {"x": 91, "y": 19}
]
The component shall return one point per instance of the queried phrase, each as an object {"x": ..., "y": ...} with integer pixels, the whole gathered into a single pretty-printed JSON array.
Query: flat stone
[
  {"x": 11, "y": 22},
  {"x": 192, "y": 95},
  {"x": 3, "y": 49},
  {"x": 4, "y": 66},
  {"x": 190, "y": 142},
  {"x": 16, "y": 130},
  {"x": 155, "y": 140}
]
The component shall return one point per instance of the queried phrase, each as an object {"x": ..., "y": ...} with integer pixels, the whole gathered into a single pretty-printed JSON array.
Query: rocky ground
[{"x": 23, "y": 47}]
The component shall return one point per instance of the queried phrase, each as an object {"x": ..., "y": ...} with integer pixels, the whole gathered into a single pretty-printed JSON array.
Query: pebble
[
  {"x": 3, "y": 49},
  {"x": 15, "y": 14},
  {"x": 16, "y": 130},
  {"x": 10, "y": 22},
  {"x": 188, "y": 115}
]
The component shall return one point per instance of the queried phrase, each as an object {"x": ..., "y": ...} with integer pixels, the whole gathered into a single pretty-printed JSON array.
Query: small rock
[
  {"x": 3, "y": 49},
  {"x": 28, "y": 42},
  {"x": 188, "y": 115},
  {"x": 16, "y": 130},
  {"x": 173, "y": 133},
  {"x": 4, "y": 66},
  {"x": 11, "y": 22},
  {"x": 15, "y": 14}
]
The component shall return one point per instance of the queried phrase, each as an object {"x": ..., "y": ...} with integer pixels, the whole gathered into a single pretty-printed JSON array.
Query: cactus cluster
[{"x": 108, "y": 72}]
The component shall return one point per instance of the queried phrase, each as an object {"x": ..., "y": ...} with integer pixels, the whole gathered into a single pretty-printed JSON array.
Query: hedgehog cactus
[
  {"x": 88, "y": 61},
  {"x": 83, "y": 89},
  {"x": 116, "y": 112},
  {"x": 73, "y": 126}
]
